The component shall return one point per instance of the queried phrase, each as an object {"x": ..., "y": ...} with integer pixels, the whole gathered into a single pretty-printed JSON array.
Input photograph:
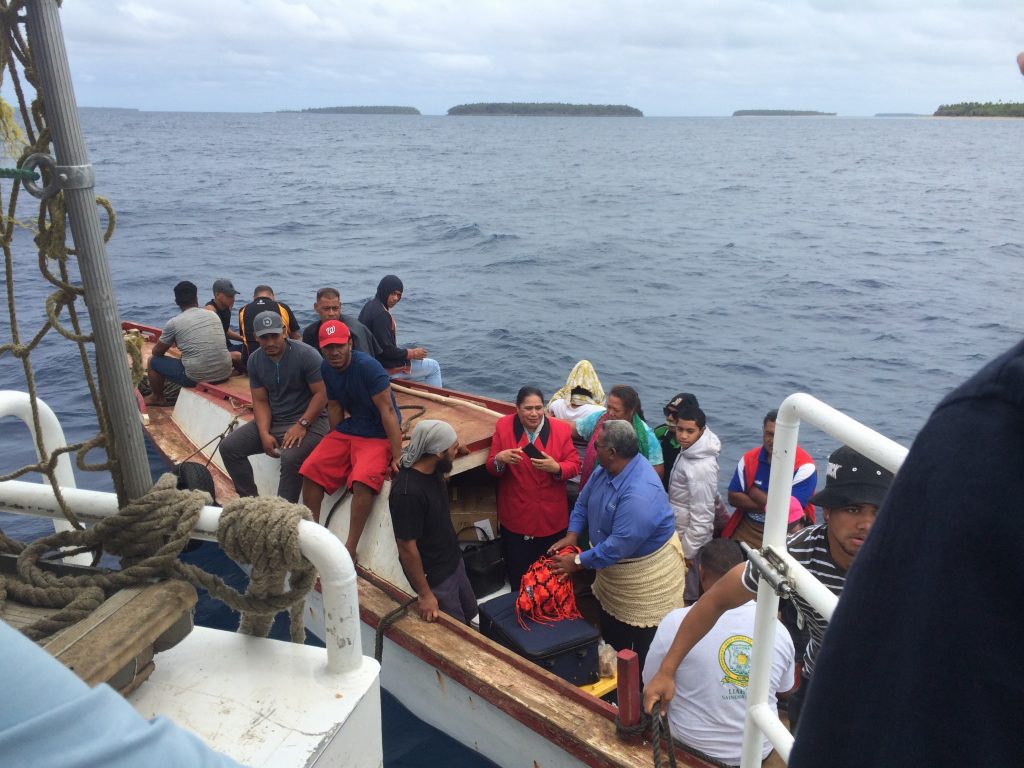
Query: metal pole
[{"x": 50, "y": 59}]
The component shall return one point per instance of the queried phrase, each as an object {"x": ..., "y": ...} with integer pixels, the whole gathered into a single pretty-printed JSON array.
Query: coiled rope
[{"x": 149, "y": 534}]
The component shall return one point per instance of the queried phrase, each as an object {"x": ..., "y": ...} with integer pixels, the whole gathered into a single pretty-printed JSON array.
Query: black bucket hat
[{"x": 852, "y": 478}]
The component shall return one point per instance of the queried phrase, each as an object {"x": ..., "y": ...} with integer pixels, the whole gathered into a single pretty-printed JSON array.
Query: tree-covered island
[
  {"x": 977, "y": 109},
  {"x": 357, "y": 110},
  {"x": 780, "y": 113},
  {"x": 536, "y": 109}
]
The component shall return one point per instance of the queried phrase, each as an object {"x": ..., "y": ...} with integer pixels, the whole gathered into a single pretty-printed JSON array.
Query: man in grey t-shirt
[
  {"x": 288, "y": 400},
  {"x": 200, "y": 339}
]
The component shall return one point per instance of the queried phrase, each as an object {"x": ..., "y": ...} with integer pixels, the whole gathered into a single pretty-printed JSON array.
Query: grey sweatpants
[{"x": 245, "y": 442}]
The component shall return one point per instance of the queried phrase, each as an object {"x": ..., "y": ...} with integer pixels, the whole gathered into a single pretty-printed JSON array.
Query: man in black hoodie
[{"x": 410, "y": 363}]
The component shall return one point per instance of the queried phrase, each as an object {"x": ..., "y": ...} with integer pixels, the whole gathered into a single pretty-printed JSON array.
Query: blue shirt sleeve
[
  {"x": 629, "y": 533},
  {"x": 804, "y": 489},
  {"x": 735, "y": 485},
  {"x": 49, "y": 716}
]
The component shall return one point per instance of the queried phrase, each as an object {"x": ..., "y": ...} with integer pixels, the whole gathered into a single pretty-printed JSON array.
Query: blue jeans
[
  {"x": 426, "y": 370},
  {"x": 171, "y": 369}
]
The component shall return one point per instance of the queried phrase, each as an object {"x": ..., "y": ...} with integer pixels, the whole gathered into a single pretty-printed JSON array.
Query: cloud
[{"x": 711, "y": 56}]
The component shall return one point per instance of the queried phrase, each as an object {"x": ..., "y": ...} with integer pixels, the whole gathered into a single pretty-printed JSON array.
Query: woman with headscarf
[
  {"x": 532, "y": 456},
  {"x": 409, "y": 363},
  {"x": 581, "y": 396},
  {"x": 623, "y": 404},
  {"x": 427, "y": 546}
]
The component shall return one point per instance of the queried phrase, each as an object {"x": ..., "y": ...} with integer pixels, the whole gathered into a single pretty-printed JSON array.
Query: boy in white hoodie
[{"x": 692, "y": 488}]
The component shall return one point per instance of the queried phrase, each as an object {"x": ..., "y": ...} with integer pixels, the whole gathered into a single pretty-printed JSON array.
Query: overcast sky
[{"x": 665, "y": 57}]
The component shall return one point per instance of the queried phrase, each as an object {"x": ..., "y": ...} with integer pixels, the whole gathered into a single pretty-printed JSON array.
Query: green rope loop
[{"x": 20, "y": 174}]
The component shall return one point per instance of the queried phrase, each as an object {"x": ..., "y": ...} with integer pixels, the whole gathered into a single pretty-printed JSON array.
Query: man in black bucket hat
[{"x": 854, "y": 489}]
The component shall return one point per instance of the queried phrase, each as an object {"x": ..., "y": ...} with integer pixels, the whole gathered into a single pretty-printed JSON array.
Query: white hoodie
[{"x": 692, "y": 487}]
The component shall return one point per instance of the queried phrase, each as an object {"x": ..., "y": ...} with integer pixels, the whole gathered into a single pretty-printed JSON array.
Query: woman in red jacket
[{"x": 533, "y": 508}]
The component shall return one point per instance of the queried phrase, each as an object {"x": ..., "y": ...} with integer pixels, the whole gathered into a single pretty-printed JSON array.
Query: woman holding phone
[{"x": 532, "y": 456}]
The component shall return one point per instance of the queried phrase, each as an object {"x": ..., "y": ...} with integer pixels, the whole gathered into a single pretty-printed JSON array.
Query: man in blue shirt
[
  {"x": 363, "y": 449},
  {"x": 635, "y": 548}
]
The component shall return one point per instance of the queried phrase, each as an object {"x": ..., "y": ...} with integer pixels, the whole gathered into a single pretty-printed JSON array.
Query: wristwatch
[
  {"x": 577, "y": 560},
  {"x": 304, "y": 423}
]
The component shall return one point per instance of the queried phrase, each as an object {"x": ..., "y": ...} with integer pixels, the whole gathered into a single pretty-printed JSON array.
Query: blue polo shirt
[
  {"x": 627, "y": 516},
  {"x": 354, "y": 389}
]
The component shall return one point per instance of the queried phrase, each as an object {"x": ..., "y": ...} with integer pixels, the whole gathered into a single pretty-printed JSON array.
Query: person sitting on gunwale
[
  {"x": 854, "y": 490},
  {"x": 328, "y": 307},
  {"x": 221, "y": 304},
  {"x": 623, "y": 404},
  {"x": 200, "y": 339},
  {"x": 533, "y": 508},
  {"x": 427, "y": 545},
  {"x": 410, "y": 363},
  {"x": 636, "y": 551},
  {"x": 363, "y": 449},
  {"x": 263, "y": 300}
]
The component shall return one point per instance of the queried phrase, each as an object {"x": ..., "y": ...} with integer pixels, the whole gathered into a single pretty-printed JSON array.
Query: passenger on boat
[
  {"x": 919, "y": 666},
  {"x": 854, "y": 489},
  {"x": 709, "y": 712},
  {"x": 221, "y": 304},
  {"x": 51, "y": 717},
  {"x": 328, "y": 307},
  {"x": 427, "y": 545},
  {"x": 532, "y": 505},
  {"x": 623, "y": 404},
  {"x": 692, "y": 489},
  {"x": 636, "y": 551},
  {"x": 748, "y": 491},
  {"x": 666, "y": 433},
  {"x": 411, "y": 364},
  {"x": 288, "y": 399},
  {"x": 362, "y": 450},
  {"x": 581, "y": 396},
  {"x": 263, "y": 301},
  {"x": 200, "y": 339}
]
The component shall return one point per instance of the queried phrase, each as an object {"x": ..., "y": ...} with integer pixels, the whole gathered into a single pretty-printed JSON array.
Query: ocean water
[{"x": 874, "y": 263}]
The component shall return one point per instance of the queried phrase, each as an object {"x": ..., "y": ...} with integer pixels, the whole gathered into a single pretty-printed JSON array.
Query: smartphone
[{"x": 532, "y": 451}]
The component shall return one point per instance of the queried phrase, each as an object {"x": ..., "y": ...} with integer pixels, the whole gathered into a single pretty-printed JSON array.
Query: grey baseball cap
[
  {"x": 223, "y": 285},
  {"x": 267, "y": 322}
]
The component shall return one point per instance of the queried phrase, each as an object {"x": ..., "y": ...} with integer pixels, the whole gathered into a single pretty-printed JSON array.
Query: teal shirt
[{"x": 585, "y": 427}]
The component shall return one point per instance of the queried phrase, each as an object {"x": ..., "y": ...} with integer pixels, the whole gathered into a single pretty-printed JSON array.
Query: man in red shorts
[{"x": 363, "y": 448}]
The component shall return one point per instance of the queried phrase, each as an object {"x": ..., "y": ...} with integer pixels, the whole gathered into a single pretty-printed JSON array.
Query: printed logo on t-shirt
[{"x": 734, "y": 658}]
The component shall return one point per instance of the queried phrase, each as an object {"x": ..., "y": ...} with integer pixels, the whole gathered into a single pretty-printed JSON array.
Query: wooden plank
[{"x": 121, "y": 629}]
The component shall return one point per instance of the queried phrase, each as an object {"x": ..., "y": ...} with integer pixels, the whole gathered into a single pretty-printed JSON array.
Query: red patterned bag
[{"x": 546, "y": 596}]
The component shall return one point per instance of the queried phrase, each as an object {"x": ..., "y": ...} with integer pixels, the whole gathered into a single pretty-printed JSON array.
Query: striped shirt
[{"x": 809, "y": 547}]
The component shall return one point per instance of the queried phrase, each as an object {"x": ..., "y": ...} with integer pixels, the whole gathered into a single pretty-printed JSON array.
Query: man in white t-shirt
[{"x": 709, "y": 708}]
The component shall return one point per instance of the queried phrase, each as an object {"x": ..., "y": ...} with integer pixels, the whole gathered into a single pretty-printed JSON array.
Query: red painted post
[{"x": 629, "y": 688}]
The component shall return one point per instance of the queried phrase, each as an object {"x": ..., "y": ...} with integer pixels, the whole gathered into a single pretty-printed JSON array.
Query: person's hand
[
  {"x": 293, "y": 436},
  {"x": 462, "y": 450},
  {"x": 569, "y": 540},
  {"x": 509, "y": 456},
  {"x": 417, "y": 353},
  {"x": 564, "y": 565},
  {"x": 547, "y": 464},
  {"x": 270, "y": 445},
  {"x": 427, "y": 607},
  {"x": 661, "y": 688}
]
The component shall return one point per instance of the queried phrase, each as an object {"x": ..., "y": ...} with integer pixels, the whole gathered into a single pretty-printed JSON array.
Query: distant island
[
  {"x": 899, "y": 114},
  {"x": 780, "y": 113},
  {"x": 977, "y": 109},
  {"x": 534, "y": 109},
  {"x": 358, "y": 110}
]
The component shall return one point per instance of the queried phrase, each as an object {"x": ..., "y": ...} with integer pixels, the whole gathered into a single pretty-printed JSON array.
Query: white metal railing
[
  {"x": 761, "y": 717},
  {"x": 318, "y": 545}
]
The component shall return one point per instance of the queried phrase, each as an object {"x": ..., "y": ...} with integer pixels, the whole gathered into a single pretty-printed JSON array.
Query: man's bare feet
[{"x": 156, "y": 402}]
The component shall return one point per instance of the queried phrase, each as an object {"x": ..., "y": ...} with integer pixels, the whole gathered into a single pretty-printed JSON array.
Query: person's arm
[
  {"x": 659, "y": 470},
  {"x": 380, "y": 327},
  {"x": 727, "y": 593},
  {"x": 412, "y": 564},
  {"x": 499, "y": 456},
  {"x": 296, "y": 432},
  {"x": 391, "y": 427},
  {"x": 160, "y": 349},
  {"x": 739, "y": 497},
  {"x": 335, "y": 413},
  {"x": 563, "y": 462},
  {"x": 262, "y": 417}
]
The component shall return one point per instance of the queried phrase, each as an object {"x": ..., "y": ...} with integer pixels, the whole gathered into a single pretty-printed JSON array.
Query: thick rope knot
[{"x": 264, "y": 532}]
